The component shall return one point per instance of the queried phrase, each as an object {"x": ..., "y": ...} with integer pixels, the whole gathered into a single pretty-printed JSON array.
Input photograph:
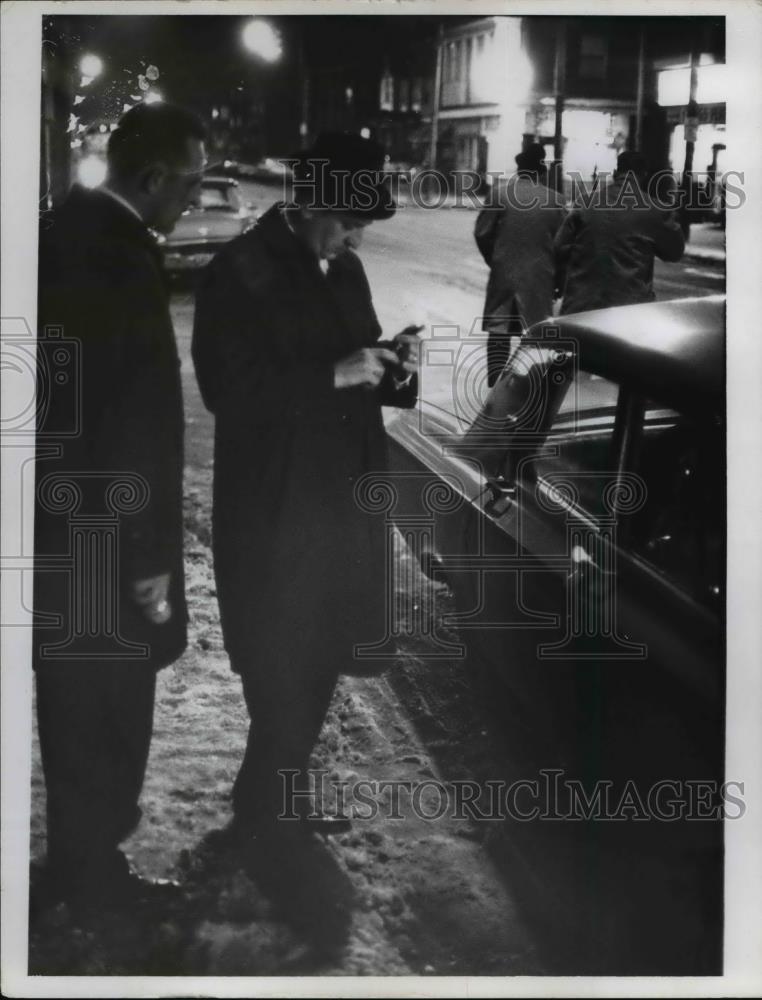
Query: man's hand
[
  {"x": 409, "y": 349},
  {"x": 365, "y": 367},
  {"x": 151, "y": 597}
]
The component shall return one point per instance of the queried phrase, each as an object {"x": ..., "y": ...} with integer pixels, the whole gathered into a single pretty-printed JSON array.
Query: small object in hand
[
  {"x": 406, "y": 345},
  {"x": 160, "y": 613}
]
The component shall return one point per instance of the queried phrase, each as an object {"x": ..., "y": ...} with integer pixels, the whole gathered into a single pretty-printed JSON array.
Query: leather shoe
[{"x": 90, "y": 895}]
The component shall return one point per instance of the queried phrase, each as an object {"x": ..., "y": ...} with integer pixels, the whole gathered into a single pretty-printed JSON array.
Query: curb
[{"x": 713, "y": 258}]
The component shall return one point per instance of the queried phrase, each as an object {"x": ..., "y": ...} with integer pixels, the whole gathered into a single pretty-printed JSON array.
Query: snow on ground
[{"x": 421, "y": 897}]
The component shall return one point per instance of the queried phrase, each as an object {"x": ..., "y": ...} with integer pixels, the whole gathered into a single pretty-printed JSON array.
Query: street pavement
[{"x": 424, "y": 268}]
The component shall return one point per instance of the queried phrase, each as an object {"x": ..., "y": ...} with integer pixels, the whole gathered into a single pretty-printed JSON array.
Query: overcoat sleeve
[
  {"x": 669, "y": 242},
  {"x": 563, "y": 244},
  {"x": 486, "y": 230}
]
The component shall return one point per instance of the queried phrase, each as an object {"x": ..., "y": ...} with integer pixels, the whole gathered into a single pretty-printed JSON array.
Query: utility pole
[
  {"x": 691, "y": 129},
  {"x": 304, "y": 125},
  {"x": 435, "y": 100},
  {"x": 691, "y": 118},
  {"x": 559, "y": 86},
  {"x": 641, "y": 86}
]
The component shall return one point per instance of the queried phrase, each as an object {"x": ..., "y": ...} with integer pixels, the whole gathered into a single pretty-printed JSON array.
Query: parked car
[
  {"x": 584, "y": 542},
  {"x": 219, "y": 215}
]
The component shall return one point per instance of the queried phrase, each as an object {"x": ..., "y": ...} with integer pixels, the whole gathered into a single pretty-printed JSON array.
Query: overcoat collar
[
  {"x": 283, "y": 242},
  {"x": 105, "y": 213}
]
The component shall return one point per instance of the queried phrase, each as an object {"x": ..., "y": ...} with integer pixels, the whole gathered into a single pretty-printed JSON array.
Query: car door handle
[{"x": 502, "y": 496}]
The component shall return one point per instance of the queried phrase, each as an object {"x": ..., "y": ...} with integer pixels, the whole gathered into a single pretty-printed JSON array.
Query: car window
[
  {"x": 580, "y": 436},
  {"x": 680, "y": 530},
  {"x": 224, "y": 197}
]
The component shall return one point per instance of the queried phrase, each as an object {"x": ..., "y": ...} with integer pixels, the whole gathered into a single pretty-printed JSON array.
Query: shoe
[
  {"x": 304, "y": 884},
  {"x": 88, "y": 893}
]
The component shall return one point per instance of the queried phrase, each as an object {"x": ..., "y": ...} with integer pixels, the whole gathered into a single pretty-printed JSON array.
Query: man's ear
[{"x": 151, "y": 178}]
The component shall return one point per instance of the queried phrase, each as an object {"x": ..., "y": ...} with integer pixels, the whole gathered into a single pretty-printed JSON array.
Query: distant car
[
  {"x": 267, "y": 170},
  {"x": 577, "y": 511},
  {"x": 219, "y": 216},
  {"x": 234, "y": 168}
]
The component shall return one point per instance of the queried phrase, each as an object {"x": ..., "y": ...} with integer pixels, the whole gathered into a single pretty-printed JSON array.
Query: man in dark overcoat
[
  {"x": 287, "y": 353},
  {"x": 109, "y": 597},
  {"x": 515, "y": 237},
  {"x": 605, "y": 251}
]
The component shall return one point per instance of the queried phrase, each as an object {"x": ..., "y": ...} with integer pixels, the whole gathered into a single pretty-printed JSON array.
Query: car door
[{"x": 578, "y": 592}]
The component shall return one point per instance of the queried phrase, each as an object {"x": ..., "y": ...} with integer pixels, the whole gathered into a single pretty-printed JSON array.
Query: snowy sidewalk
[{"x": 426, "y": 897}]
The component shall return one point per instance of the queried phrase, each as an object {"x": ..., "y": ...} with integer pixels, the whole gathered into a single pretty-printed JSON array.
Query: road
[{"x": 423, "y": 268}]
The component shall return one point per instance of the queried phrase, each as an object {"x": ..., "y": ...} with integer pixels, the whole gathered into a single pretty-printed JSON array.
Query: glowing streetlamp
[
  {"x": 262, "y": 40},
  {"x": 91, "y": 65}
]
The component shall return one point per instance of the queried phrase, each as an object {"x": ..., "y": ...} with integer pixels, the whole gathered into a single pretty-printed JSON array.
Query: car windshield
[{"x": 223, "y": 197}]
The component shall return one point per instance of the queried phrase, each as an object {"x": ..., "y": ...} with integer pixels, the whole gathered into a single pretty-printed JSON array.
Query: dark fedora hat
[
  {"x": 343, "y": 171},
  {"x": 531, "y": 158}
]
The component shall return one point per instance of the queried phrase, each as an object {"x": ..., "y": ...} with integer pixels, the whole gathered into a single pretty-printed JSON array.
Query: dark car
[
  {"x": 580, "y": 523},
  {"x": 220, "y": 215}
]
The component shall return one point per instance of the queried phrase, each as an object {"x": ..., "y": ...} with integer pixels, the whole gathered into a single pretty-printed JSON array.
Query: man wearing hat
[
  {"x": 287, "y": 354},
  {"x": 515, "y": 237}
]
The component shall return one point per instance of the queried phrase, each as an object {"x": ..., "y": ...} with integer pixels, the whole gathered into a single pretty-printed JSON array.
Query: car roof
[{"x": 671, "y": 351}]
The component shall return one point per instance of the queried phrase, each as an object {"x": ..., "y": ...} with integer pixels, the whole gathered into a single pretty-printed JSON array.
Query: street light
[
  {"x": 262, "y": 39},
  {"x": 153, "y": 97},
  {"x": 91, "y": 65}
]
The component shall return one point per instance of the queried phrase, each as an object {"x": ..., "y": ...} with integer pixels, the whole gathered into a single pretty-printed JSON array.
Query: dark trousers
[
  {"x": 287, "y": 707},
  {"x": 95, "y": 724},
  {"x": 501, "y": 344}
]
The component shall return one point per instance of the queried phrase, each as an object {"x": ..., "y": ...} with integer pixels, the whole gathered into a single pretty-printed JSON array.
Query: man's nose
[{"x": 354, "y": 240}]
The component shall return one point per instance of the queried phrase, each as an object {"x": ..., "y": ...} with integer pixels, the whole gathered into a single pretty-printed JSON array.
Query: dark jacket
[
  {"x": 109, "y": 437},
  {"x": 300, "y": 567},
  {"x": 516, "y": 241},
  {"x": 605, "y": 252}
]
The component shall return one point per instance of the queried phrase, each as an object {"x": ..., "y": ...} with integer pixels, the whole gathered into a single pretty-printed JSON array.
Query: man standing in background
[
  {"x": 515, "y": 239},
  {"x": 606, "y": 252}
]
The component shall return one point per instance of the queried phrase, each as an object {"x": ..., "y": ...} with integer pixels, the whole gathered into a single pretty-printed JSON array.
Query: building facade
[{"x": 501, "y": 77}]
